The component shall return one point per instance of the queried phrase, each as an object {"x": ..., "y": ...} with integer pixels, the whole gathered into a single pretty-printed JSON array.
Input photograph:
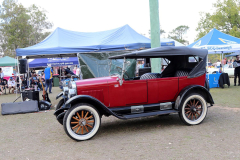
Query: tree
[
  {"x": 178, "y": 34},
  {"x": 225, "y": 18},
  {"x": 14, "y": 26},
  {"x": 20, "y": 27},
  {"x": 39, "y": 23}
]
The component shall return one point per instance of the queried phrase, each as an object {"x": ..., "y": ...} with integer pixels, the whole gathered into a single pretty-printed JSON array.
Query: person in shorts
[{"x": 11, "y": 85}]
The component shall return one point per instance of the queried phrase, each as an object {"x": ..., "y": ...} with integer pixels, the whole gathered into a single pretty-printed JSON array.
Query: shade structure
[
  {"x": 217, "y": 42},
  {"x": 65, "y": 42},
  {"x": 8, "y": 61},
  {"x": 43, "y": 62}
]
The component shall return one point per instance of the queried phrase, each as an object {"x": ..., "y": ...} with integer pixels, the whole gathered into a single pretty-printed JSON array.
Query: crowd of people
[
  {"x": 219, "y": 63},
  {"x": 35, "y": 80},
  {"x": 229, "y": 64}
]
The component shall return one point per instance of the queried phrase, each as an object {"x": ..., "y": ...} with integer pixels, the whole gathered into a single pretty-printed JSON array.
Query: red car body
[{"x": 136, "y": 92}]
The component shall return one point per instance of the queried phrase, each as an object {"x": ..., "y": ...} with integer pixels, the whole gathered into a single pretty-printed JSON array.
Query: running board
[{"x": 129, "y": 116}]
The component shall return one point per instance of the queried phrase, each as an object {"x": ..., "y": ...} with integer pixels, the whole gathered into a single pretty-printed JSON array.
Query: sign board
[{"x": 8, "y": 71}]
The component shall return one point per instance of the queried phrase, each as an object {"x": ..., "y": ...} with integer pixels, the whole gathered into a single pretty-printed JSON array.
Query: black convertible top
[
  {"x": 178, "y": 56},
  {"x": 164, "y": 52}
]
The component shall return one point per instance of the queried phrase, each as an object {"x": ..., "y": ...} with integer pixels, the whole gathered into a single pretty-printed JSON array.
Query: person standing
[
  {"x": 74, "y": 70},
  {"x": 229, "y": 63},
  {"x": 218, "y": 64},
  {"x": 48, "y": 78},
  {"x": 1, "y": 74},
  {"x": 142, "y": 66},
  {"x": 237, "y": 71},
  {"x": 224, "y": 61}
]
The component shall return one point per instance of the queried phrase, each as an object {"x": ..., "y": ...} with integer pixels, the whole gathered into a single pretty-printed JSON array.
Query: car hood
[{"x": 96, "y": 81}]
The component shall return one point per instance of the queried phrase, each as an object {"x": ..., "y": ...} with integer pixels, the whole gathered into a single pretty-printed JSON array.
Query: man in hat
[{"x": 11, "y": 84}]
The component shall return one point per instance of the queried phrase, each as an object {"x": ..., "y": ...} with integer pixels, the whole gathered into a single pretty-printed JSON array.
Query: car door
[
  {"x": 167, "y": 89},
  {"x": 135, "y": 91}
]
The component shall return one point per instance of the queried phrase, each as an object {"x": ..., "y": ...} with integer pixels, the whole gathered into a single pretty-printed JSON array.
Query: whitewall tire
[
  {"x": 193, "y": 109},
  {"x": 81, "y": 122}
]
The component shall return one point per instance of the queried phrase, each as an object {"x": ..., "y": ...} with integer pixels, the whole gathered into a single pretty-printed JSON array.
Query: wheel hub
[
  {"x": 193, "y": 109},
  {"x": 82, "y": 122}
]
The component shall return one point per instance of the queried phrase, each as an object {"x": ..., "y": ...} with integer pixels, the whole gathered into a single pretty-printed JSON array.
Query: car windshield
[{"x": 130, "y": 67}]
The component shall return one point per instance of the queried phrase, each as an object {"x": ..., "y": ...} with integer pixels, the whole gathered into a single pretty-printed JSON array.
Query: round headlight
[
  {"x": 71, "y": 93},
  {"x": 72, "y": 85},
  {"x": 65, "y": 91}
]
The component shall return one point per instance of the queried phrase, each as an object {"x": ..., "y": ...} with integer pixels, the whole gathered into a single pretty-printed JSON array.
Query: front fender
[
  {"x": 91, "y": 100},
  {"x": 196, "y": 88}
]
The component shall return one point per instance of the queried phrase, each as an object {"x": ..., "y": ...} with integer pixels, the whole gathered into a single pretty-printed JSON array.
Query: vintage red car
[{"x": 180, "y": 88}]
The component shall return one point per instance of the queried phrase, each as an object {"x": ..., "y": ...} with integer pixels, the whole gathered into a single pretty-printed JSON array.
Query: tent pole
[
  {"x": 207, "y": 68},
  {"x": 19, "y": 80},
  {"x": 223, "y": 64},
  {"x": 16, "y": 75},
  {"x": 28, "y": 75}
]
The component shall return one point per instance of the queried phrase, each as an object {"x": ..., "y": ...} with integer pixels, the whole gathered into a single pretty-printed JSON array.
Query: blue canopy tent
[
  {"x": 62, "y": 42},
  {"x": 43, "y": 62},
  {"x": 233, "y": 54},
  {"x": 217, "y": 42}
]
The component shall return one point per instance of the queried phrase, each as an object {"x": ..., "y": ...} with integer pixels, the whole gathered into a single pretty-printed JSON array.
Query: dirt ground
[{"x": 40, "y": 136}]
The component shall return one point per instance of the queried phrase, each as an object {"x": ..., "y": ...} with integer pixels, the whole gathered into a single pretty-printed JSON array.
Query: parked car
[
  {"x": 180, "y": 88},
  {"x": 226, "y": 69}
]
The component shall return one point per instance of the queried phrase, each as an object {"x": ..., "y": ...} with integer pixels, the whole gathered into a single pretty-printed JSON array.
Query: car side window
[{"x": 193, "y": 59}]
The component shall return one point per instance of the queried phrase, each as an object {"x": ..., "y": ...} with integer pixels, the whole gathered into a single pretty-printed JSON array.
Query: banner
[{"x": 8, "y": 71}]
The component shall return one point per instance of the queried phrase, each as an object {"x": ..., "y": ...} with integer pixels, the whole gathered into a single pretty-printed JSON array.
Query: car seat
[
  {"x": 150, "y": 76},
  {"x": 181, "y": 73}
]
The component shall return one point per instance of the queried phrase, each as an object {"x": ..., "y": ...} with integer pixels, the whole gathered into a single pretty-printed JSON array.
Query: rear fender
[{"x": 194, "y": 89}]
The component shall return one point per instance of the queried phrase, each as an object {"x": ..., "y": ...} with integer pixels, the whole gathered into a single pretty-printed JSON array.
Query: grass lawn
[{"x": 228, "y": 97}]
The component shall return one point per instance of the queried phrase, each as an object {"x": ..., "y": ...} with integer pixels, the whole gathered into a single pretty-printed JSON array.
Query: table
[{"x": 213, "y": 80}]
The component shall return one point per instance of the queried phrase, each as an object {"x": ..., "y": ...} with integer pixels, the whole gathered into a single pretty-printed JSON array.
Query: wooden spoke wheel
[
  {"x": 193, "y": 109},
  {"x": 81, "y": 122}
]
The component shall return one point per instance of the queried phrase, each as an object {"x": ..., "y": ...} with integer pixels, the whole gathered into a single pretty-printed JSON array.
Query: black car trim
[
  {"x": 107, "y": 111},
  {"x": 147, "y": 108}
]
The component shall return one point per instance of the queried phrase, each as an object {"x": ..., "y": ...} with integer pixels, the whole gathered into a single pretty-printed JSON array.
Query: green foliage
[
  {"x": 225, "y": 18},
  {"x": 178, "y": 34},
  {"x": 21, "y": 27},
  {"x": 38, "y": 20}
]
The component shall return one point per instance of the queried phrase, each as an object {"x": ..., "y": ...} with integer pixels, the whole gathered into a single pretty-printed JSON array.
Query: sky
[{"x": 100, "y": 15}]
